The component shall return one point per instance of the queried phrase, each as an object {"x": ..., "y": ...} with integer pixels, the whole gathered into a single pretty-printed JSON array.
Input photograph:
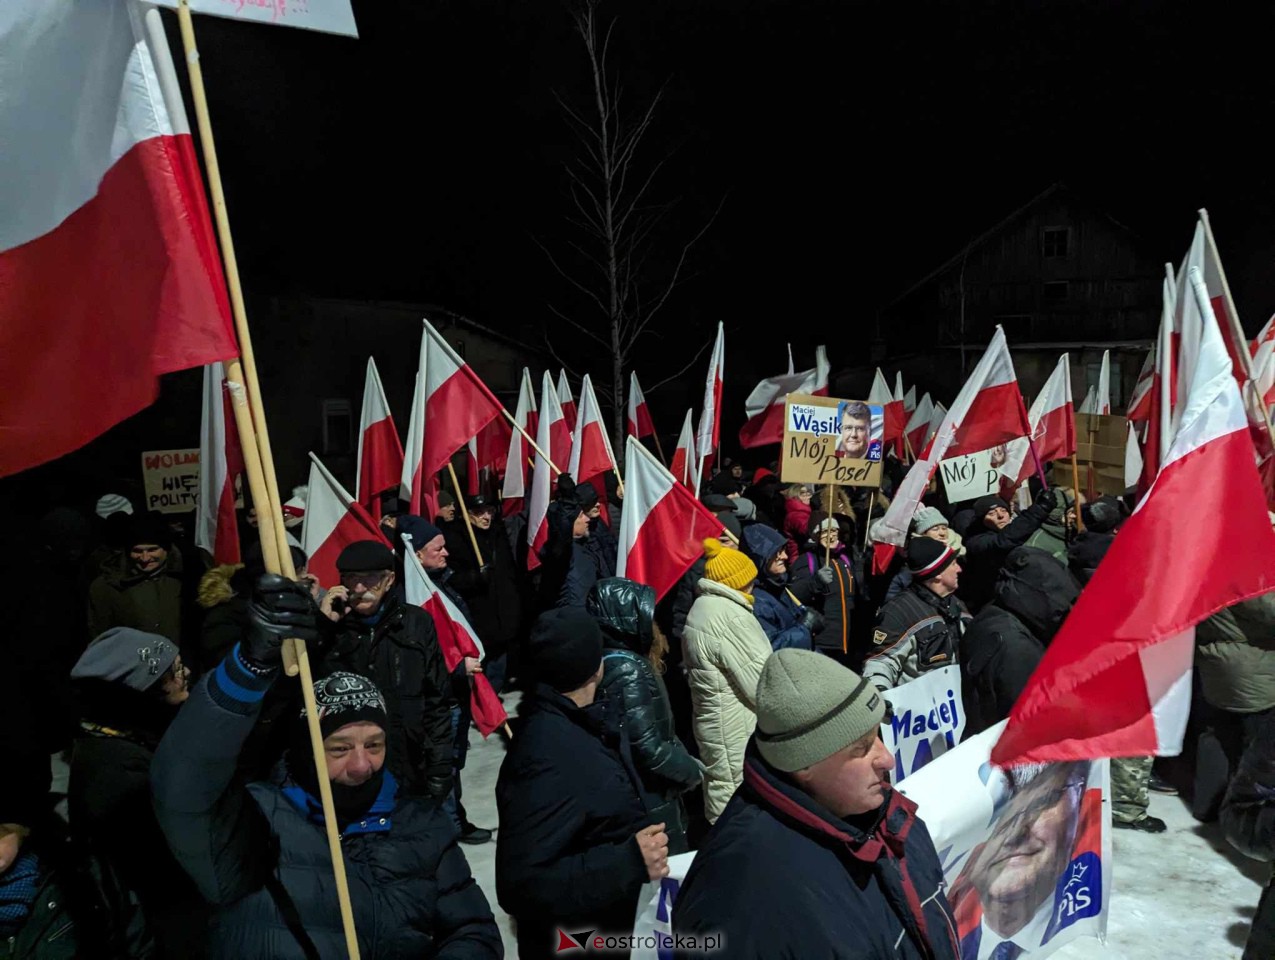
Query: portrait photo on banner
[{"x": 828, "y": 440}]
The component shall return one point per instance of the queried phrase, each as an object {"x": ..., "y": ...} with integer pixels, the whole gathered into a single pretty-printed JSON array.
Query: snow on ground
[{"x": 1180, "y": 895}]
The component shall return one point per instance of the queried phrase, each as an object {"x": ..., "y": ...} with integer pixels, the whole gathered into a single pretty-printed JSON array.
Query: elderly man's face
[
  {"x": 1031, "y": 844},
  {"x": 448, "y": 513},
  {"x": 854, "y": 436},
  {"x": 147, "y": 557},
  {"x": 481, "y": 517},
  {"x": 852, "y": 780},
  {"x": 433, "y": 556},
  {"x": 997, "y": 518}
]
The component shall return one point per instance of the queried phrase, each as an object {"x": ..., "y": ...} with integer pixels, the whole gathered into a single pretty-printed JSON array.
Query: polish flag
[
  {"x": 918, "y": 425},
  {"x": 456, "y": 638},
  {"x": 333, "y": 521},
  {"x": 988, "y": 411},
  {"x": 1053, "y": 427},
  {"x": 708, "y": 438},
  {"x": 1088, "y": 404},
  {"x": 109, "y": 272},
  {"x": 683, "y": 465},
  {"x": 1219, "y": 297},
  {"x": 1159, "y": 412},
  {"x": 591, "y": 456},
  {"x": 1116, "y": 680},
  {"x": 765, "y": 405},
  {"x": 486, "y": 454},
  {"x": 1102, "y": 399},
  {"x": 895, "y": 419},
  {"x": 220, "y": 461},
  {"x": 663, "y": 525},
  {"x": 553, "y": 437},
  {"x": 565, "y": 400},
  {"x": 909, "y": 400},
  {"x": 639, "y": 423},
  {"x": 936, "y": 421},
  {"x": 380, "y": 452},
  {"x": 1140, "y": 403},
  {"x": 1264, "y": 371},
  {"x": 513, "y": 490},
  {"x": 449, "y": 405},
  {"x": 1267, "y": 333},
  {"x": 1132, "y": 457}
]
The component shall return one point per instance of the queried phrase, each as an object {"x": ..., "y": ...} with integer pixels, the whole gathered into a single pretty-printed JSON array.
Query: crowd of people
[{"x": 737, "y": 716}]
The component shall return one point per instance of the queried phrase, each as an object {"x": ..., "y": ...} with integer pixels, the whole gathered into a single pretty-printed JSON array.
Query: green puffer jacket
[
  {"x": 1235, "y": 655},
  {"x": 626, "y": 613},
  {"x": 1052, "y": 535}
]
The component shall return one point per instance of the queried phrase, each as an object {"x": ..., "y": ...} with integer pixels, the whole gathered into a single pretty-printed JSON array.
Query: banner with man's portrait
[
  {"x": 1026, "y": 851},
  {"x": 827, "y": 440}
]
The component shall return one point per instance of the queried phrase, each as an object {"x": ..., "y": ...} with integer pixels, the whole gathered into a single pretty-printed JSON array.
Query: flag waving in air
[
  {"x": 895, "y": 421},
  {"x": 554, "y": 439},
  {"x": 765, "y": 405},
  {"x": 566, "y": 402},
  {"x": 591, "y": 456},
  {"x": 380, "y": 452},
  {"x": 220, "y": 461},
  {"x": 639, "y": 423},
  {"x": 514, "y": 488},
  {"x": 1053, "y": 427},
  {"x": 710, "y": 418},
  {"x": 333, "y": 521},
  {"x": 918, "y": 425},
  {"x": 683, "y": 465}
]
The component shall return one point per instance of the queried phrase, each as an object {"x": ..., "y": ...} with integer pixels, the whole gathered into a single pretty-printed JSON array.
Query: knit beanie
[
  {"x": 147, "y": 528},
  {"x": 342, "y": 698},
  {"x": 927, "y": 518},
  {"x": 136, "y": 659},
  {"x": 983, "y": 504},
  {"x": 112, "y": 503},
  {"x": 928, "y": 558},
  {"x": 565, "y": 648},
  {"x": 420, "y": 530},
  {"x": 727, "y": 566},
  {"x": 587, "y": 494},
  {"x": 445, "y": 499},
  {"x": 809, "y": 707}
]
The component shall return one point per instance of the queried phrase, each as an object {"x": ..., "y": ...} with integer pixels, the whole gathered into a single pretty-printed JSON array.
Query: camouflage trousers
[{"x": 1130, "y": 788}]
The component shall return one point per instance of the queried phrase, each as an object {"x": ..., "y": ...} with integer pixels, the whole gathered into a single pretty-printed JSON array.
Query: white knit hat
[{"x": 113, "y": 503}]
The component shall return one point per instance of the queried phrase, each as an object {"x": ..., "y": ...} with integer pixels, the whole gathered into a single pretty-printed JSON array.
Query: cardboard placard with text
[
  {"x": 827, "y": 440},
  {"x": 171, "y": 479}
]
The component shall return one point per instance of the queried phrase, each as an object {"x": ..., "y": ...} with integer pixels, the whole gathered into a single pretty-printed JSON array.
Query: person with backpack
[{"x": 830, "y": 588}]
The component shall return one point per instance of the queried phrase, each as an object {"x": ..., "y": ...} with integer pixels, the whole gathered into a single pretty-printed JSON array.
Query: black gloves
[
  {"x": 437, "y": 788},
  {"x": 812, "y": 620},
  {"x": 280, "y": 608},
  {"x": 1047, "y": 499}
]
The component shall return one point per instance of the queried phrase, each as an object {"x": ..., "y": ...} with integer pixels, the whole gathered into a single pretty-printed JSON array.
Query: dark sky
[{"x": 856, "y": 145}]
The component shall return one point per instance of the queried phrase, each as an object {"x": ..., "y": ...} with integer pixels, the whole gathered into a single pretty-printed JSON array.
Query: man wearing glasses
[{"x": 395, "y": 645}]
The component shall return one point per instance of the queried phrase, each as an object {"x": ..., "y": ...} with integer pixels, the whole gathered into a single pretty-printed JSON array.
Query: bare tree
[{"x": 617, "y": 273}]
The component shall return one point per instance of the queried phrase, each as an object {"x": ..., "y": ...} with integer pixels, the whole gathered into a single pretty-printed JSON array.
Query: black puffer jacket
[
  {"x": 400, "y": 654},
  {"x": 259, "y": 858},
  {"x": 626, "y": 610},
  {"x": 1086, "y": 552},
  {"x": 570, "y": 802},
  {"x": 494, "y": 595},
  {"x": 1248, "y": 819}
]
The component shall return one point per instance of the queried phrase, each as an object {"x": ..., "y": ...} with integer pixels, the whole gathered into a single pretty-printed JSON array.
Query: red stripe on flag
[
  {"x": 664, "y": 549},
  {"x": 382, "y": 464},
  {"x": 995, "y": 415},
  {"x": 226, "y": 548},
  {"x": 766, "y": 427}
]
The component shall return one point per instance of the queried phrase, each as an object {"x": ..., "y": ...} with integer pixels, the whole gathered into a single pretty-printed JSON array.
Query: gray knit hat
[
  {"x": 809, "y": 707},
  {"x": 136, "y": 659},
  {"x": 927, "y": 518}
]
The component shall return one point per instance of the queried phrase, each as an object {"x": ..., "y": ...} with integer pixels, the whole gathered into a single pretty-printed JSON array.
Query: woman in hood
[{"x": 786, "y": 621}]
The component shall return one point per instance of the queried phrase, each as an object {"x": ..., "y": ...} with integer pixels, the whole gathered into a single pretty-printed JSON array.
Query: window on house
[
  {"x": 338, "y": 427},
  {"x": 1057, "y": 291},
  {"x": 1055, "y": 242}
]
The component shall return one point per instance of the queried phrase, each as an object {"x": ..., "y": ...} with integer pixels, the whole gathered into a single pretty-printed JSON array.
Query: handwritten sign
[
  {"x": 171, "y": 479},
  {"x": 969, "y": 476},
  {"x": 827, "y": 440},
  {"x": 326, "y": 16}
]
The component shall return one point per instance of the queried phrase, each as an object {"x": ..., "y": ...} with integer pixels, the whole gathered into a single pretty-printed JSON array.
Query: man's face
[
  {"x": 581, "y": 526},
  {"x": 852, "y": 780},
  {"x": 1031, "y": 843},
  {"x": 367, "y": 589},
  {"x": 854, "y": 436},
  {"x": 448, "y": 513},
  {"x": 946, "y": 582},
  {"x": 433, "y": 556},
  {"x": 996, "y": 518},
  {"x": 175, "y": 683},
  {"x": 147, "y": 557},
  {"x": 778, "y": 565},
  {"x": 354, "y": 753},
  {"x": 736, "y": 471},
  {"x": 482, "y": 518},
  {"x": 938, "y": 533}
]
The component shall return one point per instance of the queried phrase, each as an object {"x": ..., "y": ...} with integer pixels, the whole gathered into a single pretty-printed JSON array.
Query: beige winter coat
[{"x": 724, "y": 649}]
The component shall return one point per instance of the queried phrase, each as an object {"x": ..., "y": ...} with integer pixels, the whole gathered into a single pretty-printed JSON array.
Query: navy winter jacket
[{"x": 776, "y": 609}]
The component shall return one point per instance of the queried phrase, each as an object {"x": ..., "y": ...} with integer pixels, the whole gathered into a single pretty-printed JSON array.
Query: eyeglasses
[{"x": 368, "y": 578}]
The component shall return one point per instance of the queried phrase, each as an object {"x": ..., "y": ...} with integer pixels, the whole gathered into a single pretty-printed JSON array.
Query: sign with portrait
[
  {"x": 1026, "y": 851},
  {"x": 827, "y": 440}
]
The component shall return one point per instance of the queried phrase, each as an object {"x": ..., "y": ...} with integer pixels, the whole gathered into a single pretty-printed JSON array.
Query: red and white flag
[
  {"x": 988, "y": 411},
  {"x": 1052, "y": 419},
  {"x": 1266, "y": 333},
  {"x": 909, "y": 400},
  {"x": 591, "y": 456},
  {"x": 765, "y": 405},
  {"x": 708, "y": 438},
  {"x": 663, "y": 525},
  {"x": 109, "y": 272},
  {"x": 1215, "y": 283},
  {"x": 1140, "y": 403},
  {"x": 639, "y": 423},
  {"x": 1102, "y": 396},
  {"x": 1264, "y": 371},
  {"x": 918, "y": 425},
  {"x": 936, "y": 421},
  {"x": 895, "y": 419},
  {"x": 555, "y": 440},
  {"x": 486, "y": 455},
  {"x": 514, "y": 488},
  {"x": 456, "y": 638},
  {"x": 380, "y": 452},
  {"x": 1116, "y": 680},
  {"x": 566, "y": 401},
  {"x": 683, "y": 464},
  {"x": 333, "y": 521},
  {"x": 1160, "y": 396},
  {"x": 220, "y": 461},
  {"x": 1089, "y": 404},
  {"x": 449, "y": 405}
]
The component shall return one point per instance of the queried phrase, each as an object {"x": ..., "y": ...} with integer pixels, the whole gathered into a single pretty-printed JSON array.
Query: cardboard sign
[
  {"x": 827, "y": 440},
  {"x": 971, "y": 475},
  {"x": 326, "y": 16},
  {"x": 928, "y": 721},
  {"x": 171, "y": 479}
]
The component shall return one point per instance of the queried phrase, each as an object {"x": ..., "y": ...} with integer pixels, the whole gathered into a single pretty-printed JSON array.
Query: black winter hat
[
  {"x": 565, "y": 648},
  {"x": 418, "y": 528},
  {"x": 587, "y": 494},
  {"x": 724, "y": 483},
  {"x": 928, "y": 558},
  {"x": 445, "y": 499},
  {"x": 983, "y": 504},
  {"x": 612, "y": 484},
  {"x": 364, "y": 555},
  {"x": 148, "y": 528},
  {"x": 342, "y": 698},
  {"x": 477, "y": 502}
]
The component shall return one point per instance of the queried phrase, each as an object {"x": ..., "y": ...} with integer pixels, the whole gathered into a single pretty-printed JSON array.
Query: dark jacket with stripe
[
  {"x": 257, "y": 854},
  {"x": 916, "y": 632},
  {"x": 780, "y": 876}
]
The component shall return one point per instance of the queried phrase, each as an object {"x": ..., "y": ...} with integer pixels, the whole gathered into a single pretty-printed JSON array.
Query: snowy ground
[{"x": 1180, "y": 895}]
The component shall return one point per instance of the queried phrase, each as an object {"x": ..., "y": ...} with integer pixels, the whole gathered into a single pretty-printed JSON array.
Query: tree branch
[{"x": 690, "y": 363}]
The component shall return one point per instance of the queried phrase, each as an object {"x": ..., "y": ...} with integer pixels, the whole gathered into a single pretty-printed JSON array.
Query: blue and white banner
[{"x": 928, "y": 720}]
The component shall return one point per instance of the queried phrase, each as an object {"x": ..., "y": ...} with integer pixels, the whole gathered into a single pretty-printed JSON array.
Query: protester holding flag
[
  {"x": 993, "y": 534},
  {"x": 632, "y": 679},
  {"x": 1090, "y": 545},
  {"x": 817, "y": 836},
  {"x": 258, "y": 853},
  {"x": 572, "y": 559},
  {"x": 375, "y": 634}
]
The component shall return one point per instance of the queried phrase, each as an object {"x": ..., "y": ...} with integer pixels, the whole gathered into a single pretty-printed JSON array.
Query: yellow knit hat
[{"x": 728, "y": 567}]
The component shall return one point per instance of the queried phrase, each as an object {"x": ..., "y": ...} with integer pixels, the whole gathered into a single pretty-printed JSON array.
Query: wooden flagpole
[
  {"x": 526, "y": 436},
  {"x": 263, "y": 486},
  {"x": 464, "y": 512},
  {"x": 1075, "y": 484},
  {"x": 827, "y": 547}
]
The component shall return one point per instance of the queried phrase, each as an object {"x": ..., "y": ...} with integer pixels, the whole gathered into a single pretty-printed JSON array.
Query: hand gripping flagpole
[{"x": 259, "y": 465}]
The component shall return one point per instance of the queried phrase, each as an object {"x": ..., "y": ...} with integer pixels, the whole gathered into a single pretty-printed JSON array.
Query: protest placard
[
  {"x": 970, "y": 476},
  {"x": 827, "y": 440},
  {"x": 927, "y": 720},
  {"x": 170, "y": 479},
  {"x": 326, "y": 16}
]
